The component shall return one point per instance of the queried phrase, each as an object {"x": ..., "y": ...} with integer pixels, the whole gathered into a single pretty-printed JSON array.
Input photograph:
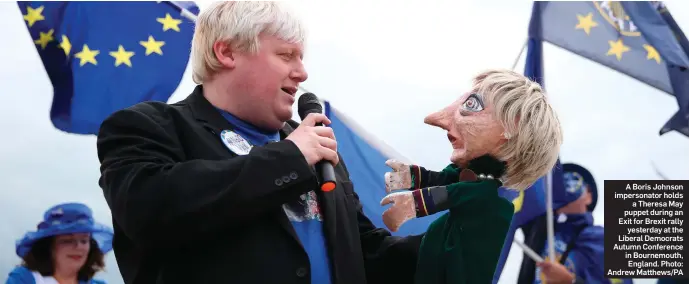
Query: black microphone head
[{"x": 308, "y": 103}]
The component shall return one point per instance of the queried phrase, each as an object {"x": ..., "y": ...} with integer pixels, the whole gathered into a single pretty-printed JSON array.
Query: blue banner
[
  {"x": 105, "y": 56},
  {"x": 639, "y": 39}
]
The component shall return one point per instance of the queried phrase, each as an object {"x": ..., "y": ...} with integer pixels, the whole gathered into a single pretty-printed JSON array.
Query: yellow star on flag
[
  {"x": 87, "y": 55},
  {"x": 45, "y": 38},
  {"x": 617, "y": 48},
  {"x": 122, "y": 56},
  {"x": 65, "y": 45},
  {"x": 586, "y": 23},
  {"x": 33, "y": 15},
  {"x": 152, "y": 46},
  {"x": 652, "y": 53},
  {"x": 518, "y": 202},
  {"x": 169, "y": 22}
]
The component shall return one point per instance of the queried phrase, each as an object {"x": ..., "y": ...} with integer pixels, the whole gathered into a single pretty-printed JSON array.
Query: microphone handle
[{"x": 326, "y": 173}]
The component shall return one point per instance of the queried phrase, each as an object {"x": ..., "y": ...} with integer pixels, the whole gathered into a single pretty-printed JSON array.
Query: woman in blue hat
[{"x": 67, "y": 248}]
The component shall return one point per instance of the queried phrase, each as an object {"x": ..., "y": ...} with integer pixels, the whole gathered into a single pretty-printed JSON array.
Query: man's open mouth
[{"x": 289, "y": 90}]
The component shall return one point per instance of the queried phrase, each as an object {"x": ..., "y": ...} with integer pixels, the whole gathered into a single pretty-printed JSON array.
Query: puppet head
[{"x": 505, "y": 115}]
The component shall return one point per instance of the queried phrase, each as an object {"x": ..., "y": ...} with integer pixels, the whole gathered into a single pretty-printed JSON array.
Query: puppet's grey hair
[{"x": 532, "y": 128}]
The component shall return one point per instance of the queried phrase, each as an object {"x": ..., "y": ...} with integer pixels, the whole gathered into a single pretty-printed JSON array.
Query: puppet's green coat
[{"x": 463, "y": 246}]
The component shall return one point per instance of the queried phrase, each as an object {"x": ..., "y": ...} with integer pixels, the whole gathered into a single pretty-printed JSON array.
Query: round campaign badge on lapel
[{"x": 235, "y": 142}]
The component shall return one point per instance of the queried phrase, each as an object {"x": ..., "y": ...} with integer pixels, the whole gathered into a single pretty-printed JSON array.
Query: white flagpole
[
  {"x": 184, "y": 12},
  {"x": 516, "y": 60},
  {"x": 549, "y": 216}
]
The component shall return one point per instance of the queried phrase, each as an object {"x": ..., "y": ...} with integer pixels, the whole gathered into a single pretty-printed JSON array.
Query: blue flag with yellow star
[
  {"x": 105, "y": 56},
  {"x": 635, "y": 38}
]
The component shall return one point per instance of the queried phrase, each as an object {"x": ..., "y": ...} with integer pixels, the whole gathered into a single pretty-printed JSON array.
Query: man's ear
[{"x": 223, "y": 52}]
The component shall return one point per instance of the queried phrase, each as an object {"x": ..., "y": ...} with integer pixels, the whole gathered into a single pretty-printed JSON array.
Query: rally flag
[
  {"x": 105, "y": 56},
  {"x": 640, "y": 39}
]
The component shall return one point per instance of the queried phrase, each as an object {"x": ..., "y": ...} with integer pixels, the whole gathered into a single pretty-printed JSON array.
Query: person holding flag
[
  {"x": 503, "y": 132},
  {"x": 578, "y": 242}
]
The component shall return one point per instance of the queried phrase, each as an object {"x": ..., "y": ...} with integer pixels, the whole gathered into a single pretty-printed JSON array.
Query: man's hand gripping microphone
[{"x": 309, "y": 103}]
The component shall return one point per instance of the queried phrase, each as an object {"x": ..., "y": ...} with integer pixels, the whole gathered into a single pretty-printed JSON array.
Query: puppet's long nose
[{"x": 440, "y": 118}]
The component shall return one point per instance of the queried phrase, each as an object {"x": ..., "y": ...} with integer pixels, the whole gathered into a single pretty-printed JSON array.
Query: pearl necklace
[{"x": 482, "y": 176}]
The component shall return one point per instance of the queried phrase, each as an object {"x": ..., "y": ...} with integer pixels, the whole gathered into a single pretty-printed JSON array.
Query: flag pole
[
  {"x": 183, "y": 12},
  {"x": 549, "y": 215},
  {"x": 660, "y": 174},
  {"x": 516, "y": 60}
]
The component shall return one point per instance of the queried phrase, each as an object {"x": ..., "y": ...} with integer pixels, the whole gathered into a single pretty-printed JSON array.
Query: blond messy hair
[
  {"x": 239, "y": 24},
  {"x": 530, "y": 122}
]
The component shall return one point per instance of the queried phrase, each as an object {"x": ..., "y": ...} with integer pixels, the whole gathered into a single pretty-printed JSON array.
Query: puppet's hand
[
  {"x": 402, "y": 210},
  {"x": 399, "y": 178}
]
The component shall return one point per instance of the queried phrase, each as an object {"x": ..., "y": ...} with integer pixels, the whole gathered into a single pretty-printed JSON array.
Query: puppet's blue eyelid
[{"x": 477, "y": 97}]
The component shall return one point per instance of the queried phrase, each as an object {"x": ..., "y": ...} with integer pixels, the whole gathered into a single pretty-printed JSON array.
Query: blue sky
[{"x": 363, "y": 57}]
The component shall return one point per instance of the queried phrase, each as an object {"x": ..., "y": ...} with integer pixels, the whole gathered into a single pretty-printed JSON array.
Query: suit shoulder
[
  {"x": 155, "y": 110},
  {"x": 145, "y": 115}
]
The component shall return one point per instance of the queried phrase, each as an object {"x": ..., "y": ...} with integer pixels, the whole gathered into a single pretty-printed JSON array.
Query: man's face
[
  {"x": 471, "y": 128},
  {"x": 270, "y": 79}
]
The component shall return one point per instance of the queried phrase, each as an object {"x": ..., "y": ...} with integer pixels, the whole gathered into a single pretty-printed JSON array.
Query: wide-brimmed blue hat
[
  {"x": 576, "y": 179},
  {"x": 67, "y": 218}
]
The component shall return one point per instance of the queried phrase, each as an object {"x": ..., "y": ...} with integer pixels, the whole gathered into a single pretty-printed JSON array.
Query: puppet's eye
[{"x": 473, "y": 103}]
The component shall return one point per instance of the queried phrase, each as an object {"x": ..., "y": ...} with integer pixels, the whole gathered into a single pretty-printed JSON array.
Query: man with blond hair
[
  {"x": 220, "y": 187},
  {"x": 503, "y": 133}
]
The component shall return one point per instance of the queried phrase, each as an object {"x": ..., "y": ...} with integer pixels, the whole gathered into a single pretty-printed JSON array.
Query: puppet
[{"x": 503, "y": 133}]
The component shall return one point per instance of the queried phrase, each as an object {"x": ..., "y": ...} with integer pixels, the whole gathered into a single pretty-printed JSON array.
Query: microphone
[{"x": 309, "y": 103}]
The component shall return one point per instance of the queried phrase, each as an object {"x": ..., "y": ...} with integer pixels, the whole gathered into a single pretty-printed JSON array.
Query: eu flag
[
  {"x": 105, "y": 56},
  {"x": 639, "y": 39}
]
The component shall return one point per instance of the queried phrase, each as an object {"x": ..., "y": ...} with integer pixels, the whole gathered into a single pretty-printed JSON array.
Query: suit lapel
[
  {"x": 211, "y": 119},
  {"x": 206, "y": 114}
]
